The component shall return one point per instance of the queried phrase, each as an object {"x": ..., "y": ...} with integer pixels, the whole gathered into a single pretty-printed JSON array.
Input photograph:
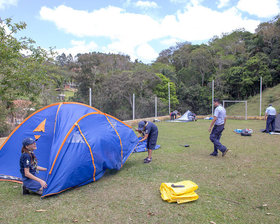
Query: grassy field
[
  {"x": 242, "y": 187},
  {"x": 271, "y": 95}
]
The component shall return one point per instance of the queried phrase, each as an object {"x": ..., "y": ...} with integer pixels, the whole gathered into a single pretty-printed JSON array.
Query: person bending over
[{"x": 150, "y": 131}]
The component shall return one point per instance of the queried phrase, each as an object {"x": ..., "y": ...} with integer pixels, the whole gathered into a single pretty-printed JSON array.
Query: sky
[{"x": 140, "y": 29}]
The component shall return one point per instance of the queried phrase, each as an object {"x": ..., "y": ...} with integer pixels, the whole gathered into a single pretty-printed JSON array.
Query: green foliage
[
  {"x": 4, "y": 128},
  {"x": 161, "y": 90},
  {"x": 20, "y": 75}
]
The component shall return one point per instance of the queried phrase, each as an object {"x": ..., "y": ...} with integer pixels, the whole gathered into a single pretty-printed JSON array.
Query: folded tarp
[
  {"x": 142, "y": 146},
  {"x": 180, "y": 192}
]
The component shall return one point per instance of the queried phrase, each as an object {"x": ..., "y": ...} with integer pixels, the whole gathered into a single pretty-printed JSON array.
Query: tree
[
  {"x": 21, "y": 75},
  {"x": 161, "y": 90}
]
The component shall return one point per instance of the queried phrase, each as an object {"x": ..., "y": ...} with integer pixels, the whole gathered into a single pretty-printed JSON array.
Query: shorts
[
  {"x": 30, "y": 184},
  {"x": 152, "y": 140}
]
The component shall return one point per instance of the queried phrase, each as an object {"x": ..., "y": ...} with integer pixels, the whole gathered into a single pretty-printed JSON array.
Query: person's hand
[
  {"x": 209, "y": 129},
  {"x": 43, "y": 184}
]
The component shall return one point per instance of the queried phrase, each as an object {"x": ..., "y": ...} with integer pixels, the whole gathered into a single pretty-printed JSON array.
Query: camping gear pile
[
  {"x": 76, "y": 143},
  {"x": 180, "y": 192},
  {"x": 244, "y": 132}
]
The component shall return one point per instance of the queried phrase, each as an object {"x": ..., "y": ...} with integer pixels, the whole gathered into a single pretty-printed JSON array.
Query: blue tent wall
[
  {"x": 78, "y": 145},
  {"x": 11, "y": 150}
]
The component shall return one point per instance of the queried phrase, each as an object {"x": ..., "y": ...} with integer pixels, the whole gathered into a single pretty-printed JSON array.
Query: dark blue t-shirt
[
  {"x": 25, "y": 162},
  {"x": 151, "y": 129}
]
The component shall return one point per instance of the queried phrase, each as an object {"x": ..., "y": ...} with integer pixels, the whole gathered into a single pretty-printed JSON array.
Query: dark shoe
[
  {"x": 40, "y": 192},
  {"x": 225, "y": 152},
  {"x": 147, "y": 160},
  {"x": 213, "y": 154},
  {"x": 25, "y": 190}
]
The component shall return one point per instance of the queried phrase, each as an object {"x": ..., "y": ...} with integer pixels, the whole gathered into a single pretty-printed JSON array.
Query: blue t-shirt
[
  {"x": 151, "y": 129},
  {"x": 220, "y": 113},
  {"x": 25, "y": 162}
]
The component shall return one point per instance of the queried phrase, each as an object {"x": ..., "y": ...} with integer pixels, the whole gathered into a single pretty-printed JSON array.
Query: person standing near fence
[
  {"x": 150, "y": 131},
  {"x": 270, "y": 115},
  {"x": 218, "y": 122}
]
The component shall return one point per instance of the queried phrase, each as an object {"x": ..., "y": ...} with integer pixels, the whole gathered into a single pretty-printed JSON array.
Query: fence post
[
  {"x": 133, "y": 106},
  {"x": 90, "y": 96}
]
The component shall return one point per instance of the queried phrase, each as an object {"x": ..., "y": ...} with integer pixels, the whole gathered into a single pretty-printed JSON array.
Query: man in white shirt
[
  {"x": 219, "y": 122},
  {"x": 270, "y": 115}
]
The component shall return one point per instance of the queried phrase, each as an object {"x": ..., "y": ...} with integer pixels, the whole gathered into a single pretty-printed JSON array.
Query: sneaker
[
  {"x": 147, "y": 160},
  {"x": 25, "y": 190},
  {"x": 40, "y": 192},
  {"x": 213, "y": 154},
  {"x": 225, "y": 152}
]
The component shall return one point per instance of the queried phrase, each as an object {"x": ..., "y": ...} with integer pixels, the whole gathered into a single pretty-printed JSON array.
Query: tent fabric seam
[
  {"x": 89, "y": 150},
  {"x": 56, "y": 117},
  {"x": 71, "y": 129},
  {"x": 118, "y": 136}
]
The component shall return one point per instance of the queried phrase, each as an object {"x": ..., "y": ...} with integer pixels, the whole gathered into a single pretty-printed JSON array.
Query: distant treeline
[{"x": 236, "y": 61}]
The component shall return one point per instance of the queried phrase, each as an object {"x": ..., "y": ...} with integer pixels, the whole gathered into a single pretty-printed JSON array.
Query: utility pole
[
  {"x": 260, "y": 96},
  {"x": 133, "y": 106},
  {"x": 213, "y": 98},
  {"x": 168, "y": 98}
]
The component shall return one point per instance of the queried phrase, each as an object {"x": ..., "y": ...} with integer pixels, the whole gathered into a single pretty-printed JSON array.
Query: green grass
[
  {"x": 270, "y": 95},
  {"x": 242, "y": 187}
]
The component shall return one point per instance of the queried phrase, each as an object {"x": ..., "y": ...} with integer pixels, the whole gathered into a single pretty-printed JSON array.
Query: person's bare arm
[
  {"x": 41, "y": 168},
  {"x": 144, "y": 138},
  {"x": 212, "y": 123}
]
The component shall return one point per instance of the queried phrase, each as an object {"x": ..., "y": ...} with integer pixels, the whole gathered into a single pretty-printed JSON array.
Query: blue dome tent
[{"x": 76, "y": 143}]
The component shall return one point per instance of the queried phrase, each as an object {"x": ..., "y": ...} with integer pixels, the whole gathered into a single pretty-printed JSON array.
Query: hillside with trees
[{"x": 235, "y": 60}]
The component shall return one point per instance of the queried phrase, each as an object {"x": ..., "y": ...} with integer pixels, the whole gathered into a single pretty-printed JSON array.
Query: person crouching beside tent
[
  {"x": 29, "y": 167},
  {"x": 150, "y": 131}
]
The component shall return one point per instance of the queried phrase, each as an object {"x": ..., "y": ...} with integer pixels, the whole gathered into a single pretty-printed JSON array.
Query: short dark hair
[{"x": 217, "y": 100}]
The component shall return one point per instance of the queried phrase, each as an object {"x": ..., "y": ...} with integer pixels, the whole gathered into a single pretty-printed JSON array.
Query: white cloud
[
  {"x": 146, "y": 4},
  {"x": 262, "y": 9},
  {"x": 110, "y": 22},
  {"x": 130, "y": 33},
  {"x": 179, "y": 1},
  {"x": 5, "y": 3},
  {"x": 189, "y": 25},
  {"x": 223, "y": 3},
  {"x": 147, "y": 52},
  {"x": 78, "y": 47},
  {"x": 170, "y": 41}
]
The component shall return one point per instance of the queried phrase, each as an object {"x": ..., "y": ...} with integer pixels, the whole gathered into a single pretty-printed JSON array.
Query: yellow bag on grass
[{"x": 179, "y": 192}]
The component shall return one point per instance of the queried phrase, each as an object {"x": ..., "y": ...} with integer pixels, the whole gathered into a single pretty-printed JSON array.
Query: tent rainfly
[{"x": 76, "y": 143}]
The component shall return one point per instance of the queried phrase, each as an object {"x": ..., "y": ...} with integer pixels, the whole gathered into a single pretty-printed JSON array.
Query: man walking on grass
[{"x": 219, "y": 122}]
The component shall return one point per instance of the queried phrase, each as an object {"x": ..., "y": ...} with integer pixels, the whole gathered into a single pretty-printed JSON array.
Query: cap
[
  {"x": 217, "y": 100},
  {"x": 28, "y": 141},
  {"x": 141, "y": 125}
]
